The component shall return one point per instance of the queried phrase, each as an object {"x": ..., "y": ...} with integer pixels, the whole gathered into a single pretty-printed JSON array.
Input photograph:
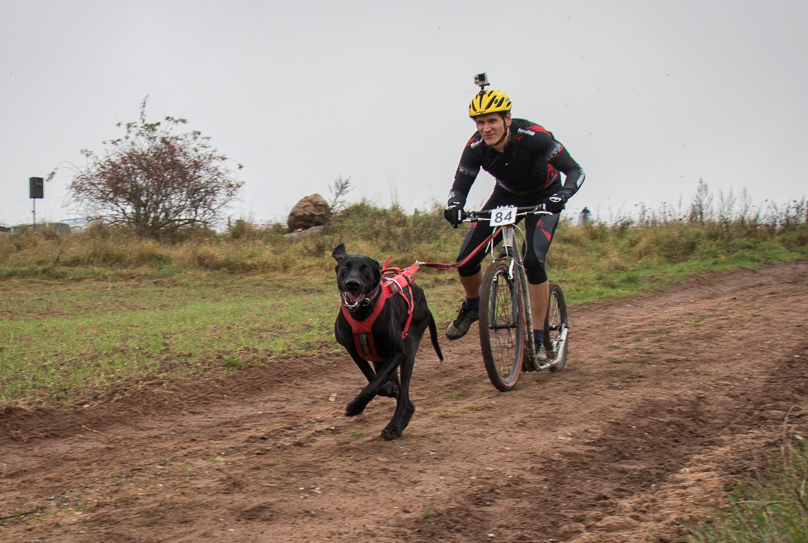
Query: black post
[{"x": 36, "y": 188}]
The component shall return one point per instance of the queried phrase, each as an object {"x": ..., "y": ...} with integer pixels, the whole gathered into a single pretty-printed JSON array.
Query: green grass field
[{"x": 89, "y": 312}]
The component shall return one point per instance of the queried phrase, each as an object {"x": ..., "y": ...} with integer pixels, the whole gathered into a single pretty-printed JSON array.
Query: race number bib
[{"x": 503, "y": 215}]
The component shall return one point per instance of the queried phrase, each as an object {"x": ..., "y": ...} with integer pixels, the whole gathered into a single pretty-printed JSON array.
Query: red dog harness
[{"x": 394, "y": 281}]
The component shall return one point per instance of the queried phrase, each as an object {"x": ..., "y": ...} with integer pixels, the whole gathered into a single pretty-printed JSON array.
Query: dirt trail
[{"x": 666, "y": 400}]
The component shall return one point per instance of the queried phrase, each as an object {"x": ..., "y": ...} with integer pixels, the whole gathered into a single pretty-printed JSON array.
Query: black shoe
[{"x": 465, "y": 318}]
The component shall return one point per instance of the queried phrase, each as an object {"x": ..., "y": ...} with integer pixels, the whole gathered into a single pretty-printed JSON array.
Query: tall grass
[
  {"x": 772, "y": 509},
  {"x": 105, "y": 251},
  {"x": 630, "y": 246}
]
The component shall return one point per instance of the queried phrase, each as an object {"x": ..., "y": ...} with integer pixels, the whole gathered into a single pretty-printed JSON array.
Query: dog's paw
[
  {"x": 397, "y": 424},
  {"x": 354, "y": 408}
]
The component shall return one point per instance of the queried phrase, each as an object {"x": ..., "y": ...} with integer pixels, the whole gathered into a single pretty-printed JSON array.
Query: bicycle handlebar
[{"x": 472, "y": 216}]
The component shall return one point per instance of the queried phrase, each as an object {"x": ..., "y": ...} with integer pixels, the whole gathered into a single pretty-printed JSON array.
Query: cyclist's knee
[
  {"x": 534, "y": 268},
  {"x": 469, "y": 269},
  {"x": 537, "y": 277}
]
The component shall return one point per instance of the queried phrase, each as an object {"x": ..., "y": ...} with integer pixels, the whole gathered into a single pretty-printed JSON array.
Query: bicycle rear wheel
[
  {"x": 502, "y": 329},
  {"x": 556, "y": 329}
]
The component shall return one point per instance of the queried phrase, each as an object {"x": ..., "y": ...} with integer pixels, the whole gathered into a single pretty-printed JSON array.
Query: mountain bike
[{"x": 506, "y": 327}]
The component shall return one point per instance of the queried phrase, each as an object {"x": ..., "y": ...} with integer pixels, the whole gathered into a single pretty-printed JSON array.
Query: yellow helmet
[{"x": 492, "y": 101}]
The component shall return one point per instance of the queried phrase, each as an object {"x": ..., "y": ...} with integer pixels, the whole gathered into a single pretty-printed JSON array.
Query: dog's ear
[{"x": 339, "y": 252}]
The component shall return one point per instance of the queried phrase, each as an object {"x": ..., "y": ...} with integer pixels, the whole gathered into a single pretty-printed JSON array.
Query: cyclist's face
[{"x": 492, "y": 127}]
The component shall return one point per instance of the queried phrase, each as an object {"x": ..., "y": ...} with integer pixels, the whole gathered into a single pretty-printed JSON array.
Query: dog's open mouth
[{"x": 353, "y": 299}]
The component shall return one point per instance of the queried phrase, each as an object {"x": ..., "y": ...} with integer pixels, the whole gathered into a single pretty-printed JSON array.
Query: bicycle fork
[{"x": 510, "y": 248}]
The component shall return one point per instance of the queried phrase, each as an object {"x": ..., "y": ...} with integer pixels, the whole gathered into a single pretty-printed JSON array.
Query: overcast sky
[{"x": 649, "y": 96}]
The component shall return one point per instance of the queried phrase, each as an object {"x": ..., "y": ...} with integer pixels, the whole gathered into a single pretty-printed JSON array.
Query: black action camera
[{"x": 481, "y": 80}]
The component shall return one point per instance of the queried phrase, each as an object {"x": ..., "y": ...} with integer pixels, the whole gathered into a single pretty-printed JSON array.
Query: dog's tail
[{"x": 433, "y": 335}]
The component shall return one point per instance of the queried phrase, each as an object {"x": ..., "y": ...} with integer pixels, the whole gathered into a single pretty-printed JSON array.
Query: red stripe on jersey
[{"x": 537, "y": 128}]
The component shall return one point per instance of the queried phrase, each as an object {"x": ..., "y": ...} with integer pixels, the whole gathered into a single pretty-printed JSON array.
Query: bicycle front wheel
[
  {"x": 556, "y": 329},
  {"x": 502, "y": 329}
]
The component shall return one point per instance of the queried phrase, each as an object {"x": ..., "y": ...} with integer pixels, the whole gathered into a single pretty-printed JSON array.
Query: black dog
[{"x": 382, "y": 320}]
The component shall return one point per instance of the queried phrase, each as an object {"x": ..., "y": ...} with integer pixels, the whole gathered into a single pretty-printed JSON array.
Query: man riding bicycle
[{"x": 526, "y": 161}]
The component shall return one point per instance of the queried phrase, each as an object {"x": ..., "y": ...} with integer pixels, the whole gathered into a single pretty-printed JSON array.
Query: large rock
[{"x": 310, "y": 211}]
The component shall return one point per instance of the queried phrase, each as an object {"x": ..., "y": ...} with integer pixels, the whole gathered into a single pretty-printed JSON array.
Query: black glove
[
  {"x": 556, "y": 202},
  {"x": 454, "y": 208}
]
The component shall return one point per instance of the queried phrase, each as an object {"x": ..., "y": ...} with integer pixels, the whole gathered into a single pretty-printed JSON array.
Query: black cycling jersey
[
  {"x": 528, "y": 167},
  {"x": 527, "y": 171}
]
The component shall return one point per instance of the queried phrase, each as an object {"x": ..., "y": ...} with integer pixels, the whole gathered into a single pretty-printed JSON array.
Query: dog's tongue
[{"x": 354, "y": 297}]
